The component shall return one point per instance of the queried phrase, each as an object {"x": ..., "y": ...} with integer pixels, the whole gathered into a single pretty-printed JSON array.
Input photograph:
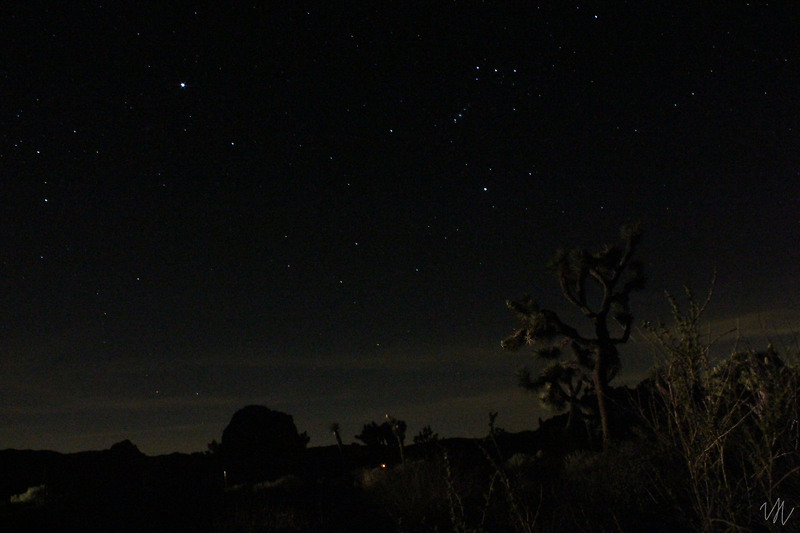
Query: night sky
[{"x": 323, "y": 210}]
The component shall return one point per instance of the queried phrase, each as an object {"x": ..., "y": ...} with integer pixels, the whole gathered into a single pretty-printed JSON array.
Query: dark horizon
[{"x": 323, "y": 212}]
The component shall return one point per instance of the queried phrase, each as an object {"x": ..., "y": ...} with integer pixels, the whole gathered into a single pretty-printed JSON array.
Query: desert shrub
[
  {"x": 292, "y": 504},
  {"x": 32, "y": 495},
  {"x": 462, "y": 489},
  {"x": 413, "y": 495},
  {"x": 731, "y": 426},
  {"x": 522, "y": 462},
  {"x": 621, "y": 488}
]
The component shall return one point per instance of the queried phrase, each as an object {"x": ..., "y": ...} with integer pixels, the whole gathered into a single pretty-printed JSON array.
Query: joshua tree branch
[
  {"x": 564, "y": 329},
  {"x": 576, "y": 297},
  {"x": 626, "y": 333}
]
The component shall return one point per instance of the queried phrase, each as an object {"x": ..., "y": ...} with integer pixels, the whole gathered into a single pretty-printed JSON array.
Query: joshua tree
[
  {"x": 213, "y": 447},
  {"x": 373, "y": 435},
  {"x": 595, "y": 360},
  {"x": 334, "y": 427},
  {"x": 425, "y": 436},
  {"x": 399, "y": 432},
  {"x": 379, "y": 436}
]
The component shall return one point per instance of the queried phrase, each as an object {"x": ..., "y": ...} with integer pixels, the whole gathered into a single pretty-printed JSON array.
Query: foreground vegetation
[
  {"x": 700, "y": 447},
  {"x": 707, "y": 442},
  {"x": 715, "y": 450},
  {"x": 703, "y": 444}
]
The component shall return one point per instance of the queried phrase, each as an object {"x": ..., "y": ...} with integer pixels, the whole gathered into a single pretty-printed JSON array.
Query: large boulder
[{"x": 260, "y": 444}]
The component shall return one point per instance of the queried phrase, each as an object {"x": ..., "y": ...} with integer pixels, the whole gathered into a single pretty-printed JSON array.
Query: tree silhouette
[
  {"x": 334, "y": 428},
  {"x": 213, "y": 447},
  {"x": 426, "y": 435},
  {"x": 594, "y": 360},
  {"x": 374, "y": 435},
  {"x": 398, "y": 428},
  {"x": 377, "y": 437}
]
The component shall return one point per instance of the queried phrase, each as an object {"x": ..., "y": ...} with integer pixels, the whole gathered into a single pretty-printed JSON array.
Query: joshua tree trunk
[
  {"x": 398, "y": 428},
  {"x": 338, "y": 441},
  {"x": 334, "y": 427},
  {"x": 573, "y": 414},
  {"x": 598, "y": 377},
  {"x": 606, "y": 351}
]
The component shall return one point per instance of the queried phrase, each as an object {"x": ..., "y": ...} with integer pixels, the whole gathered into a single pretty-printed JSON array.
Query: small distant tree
[
  {"x": 334, "y": 428},
  {"x": 425, "y": 436},
  {"x": 594, "y": 360},
  {"x": 398, "y": 428},
  {"x": 376, "y": 436},
  {"x": 494, "y": 429},
  {"x": 213, "y": 447}
]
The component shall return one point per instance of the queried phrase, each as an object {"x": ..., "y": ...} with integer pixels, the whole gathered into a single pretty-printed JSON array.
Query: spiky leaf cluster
[
  {"x": 558, "y": 385},
  {"x": 537, "y": 325}
]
